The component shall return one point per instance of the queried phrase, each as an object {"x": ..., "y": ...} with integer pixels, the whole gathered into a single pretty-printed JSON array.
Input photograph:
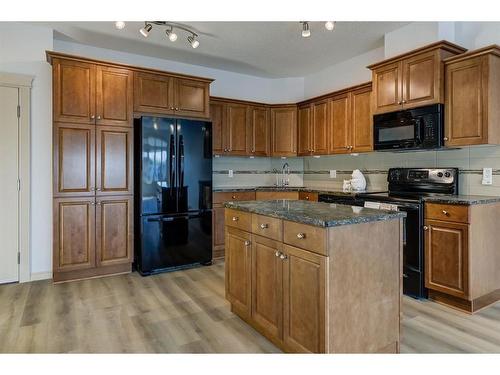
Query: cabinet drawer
[
  {"x": 308, "y": 196},
  {"x": 272, "y": 195},
  {"x": 267, "y": 227},
  {"x": 447, "y": 212},
  {"x": 234, "y": 196},
  {"x": 238, "y": 219},
  {"x": 305, "y": 236}
]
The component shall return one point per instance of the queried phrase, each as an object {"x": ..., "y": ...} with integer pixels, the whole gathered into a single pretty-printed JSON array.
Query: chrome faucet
[{"x": 285, "y": 175}]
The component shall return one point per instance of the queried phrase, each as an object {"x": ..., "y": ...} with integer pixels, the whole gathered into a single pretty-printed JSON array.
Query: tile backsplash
[{"x": 314, "y": 171}]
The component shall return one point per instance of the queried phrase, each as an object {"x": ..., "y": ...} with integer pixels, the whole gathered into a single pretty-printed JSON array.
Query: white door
[{"x": 9, "y": 194}]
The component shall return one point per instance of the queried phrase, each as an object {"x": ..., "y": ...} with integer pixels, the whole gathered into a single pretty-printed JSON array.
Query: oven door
[{"x": 397, "y": 133}]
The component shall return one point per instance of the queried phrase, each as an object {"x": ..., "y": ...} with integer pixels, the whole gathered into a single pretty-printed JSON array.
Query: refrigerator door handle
[
  {"x": 181, "y": 160},
  {"x": 172, "y": 161}
]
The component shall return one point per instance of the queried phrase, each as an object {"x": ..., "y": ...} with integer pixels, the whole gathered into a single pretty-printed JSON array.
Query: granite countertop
[
  {"x": 463, "y": 199},
  {"x": 315, "y": 213},
  {"x": 319, "y": 190}
]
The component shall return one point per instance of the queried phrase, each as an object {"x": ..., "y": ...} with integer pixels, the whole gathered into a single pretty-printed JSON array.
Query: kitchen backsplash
[{"x": 315, "y": 172}]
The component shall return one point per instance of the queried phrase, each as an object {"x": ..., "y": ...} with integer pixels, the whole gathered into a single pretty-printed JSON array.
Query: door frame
[{"x": 23, "y": 83}]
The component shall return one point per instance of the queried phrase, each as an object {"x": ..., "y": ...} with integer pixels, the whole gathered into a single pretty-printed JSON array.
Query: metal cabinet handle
[
  {"x": 176, "y": 108},
  {"x": 98, "y": 117},
  {"x": 301, "y": 236},
  {"x": 446, "y": 213},
  {"x": 400, "y": 102},
  {"x": 92, "y": 203},
  {"x": 233, "y": 197},
  {"x": 247, "y": 243},
  {"x": 283, "y": 256},
  {"x": 264, "y": 226},
  {"x": 92, "y": 117},
  {"x": 426, "y": 227},
  {"x": 404, "y": 101},
  {"x": 277, "y": 254},
  {"x": 172, "y": 108},
  {"x": 307, "y": 197},
  {"x": 98, "y": 203},
  {"x": 235, "y": 218},
  {"x": 92, "y": 189},
  {"x": 98, "y": 189},
  {"x": 445, "y": 138}
]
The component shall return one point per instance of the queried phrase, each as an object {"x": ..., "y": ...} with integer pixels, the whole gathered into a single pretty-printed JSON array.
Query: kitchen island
[{"x": 316, "y": 277}]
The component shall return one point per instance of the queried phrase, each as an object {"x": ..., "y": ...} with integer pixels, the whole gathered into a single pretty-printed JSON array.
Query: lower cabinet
[
  {"x": 92, "y": 236},
  {"x": 218, "y": 231}
]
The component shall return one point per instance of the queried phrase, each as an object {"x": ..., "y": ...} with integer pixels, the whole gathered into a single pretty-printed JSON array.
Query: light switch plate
[
  {"x": 230, "y": 173},
  {"x": 333, "y": 173},
  {"x": 487, "y": 176}
]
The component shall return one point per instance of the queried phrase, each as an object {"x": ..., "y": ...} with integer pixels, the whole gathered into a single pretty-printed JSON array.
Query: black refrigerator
[{"x": 173, "y": 194}]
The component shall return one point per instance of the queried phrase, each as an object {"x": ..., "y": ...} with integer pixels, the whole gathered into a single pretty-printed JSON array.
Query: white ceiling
[{"x": 266, "y": 49}]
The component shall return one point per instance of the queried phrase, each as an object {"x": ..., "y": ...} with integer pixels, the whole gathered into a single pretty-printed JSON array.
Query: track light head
[
  {"x": 119, "y": 25},
  {"x": 193, "y": 41},
  {"x": 306, "y": 32},
  {"x": 146, "y": 29},
  {"x": 171, "y": 34},
  {"x": 330, "y": 25}
]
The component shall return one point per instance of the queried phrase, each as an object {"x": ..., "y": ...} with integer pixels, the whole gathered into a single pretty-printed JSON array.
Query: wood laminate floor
[{"x": 185, "y": 311}]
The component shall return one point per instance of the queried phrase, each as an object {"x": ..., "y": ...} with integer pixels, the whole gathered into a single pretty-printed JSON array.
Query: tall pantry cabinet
[{"x": 93, "y": 163}]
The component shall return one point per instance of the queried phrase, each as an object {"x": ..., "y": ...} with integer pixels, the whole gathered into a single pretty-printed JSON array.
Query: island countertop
[{"x": 315, "y": 213}]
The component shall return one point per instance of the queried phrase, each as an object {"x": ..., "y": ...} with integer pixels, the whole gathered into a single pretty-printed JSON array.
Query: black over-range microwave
[{"x": 410, "y": 129}]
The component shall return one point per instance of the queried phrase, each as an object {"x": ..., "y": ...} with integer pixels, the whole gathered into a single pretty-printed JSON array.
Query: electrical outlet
[
  {"x": 487, "y": 176},
  {"x": 230, "y": 173},
  {"x": 333, "y": 173}
]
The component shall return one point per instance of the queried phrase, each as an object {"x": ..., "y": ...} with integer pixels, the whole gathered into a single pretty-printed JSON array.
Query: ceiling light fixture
[
  {"x": 306, "y": 32},
  {"x": 119, "y": 25},
  {"x": 146, "y": 29},
  {"x": 171, "y": 34},
  {"x": 330, "y": 25},
  {"x": 193, "y": 41}
]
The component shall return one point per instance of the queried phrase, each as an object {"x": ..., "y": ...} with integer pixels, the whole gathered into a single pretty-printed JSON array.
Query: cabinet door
[
  {"x": 304, "y": 131},
  {"x": 421, "y": 80},
  {"x": 466, "y": 107},
  {"x": 320, "y": 127},
  {"x": 340, "y": 124},
  {"x": 446, "y": 257},
  {"x": 218, "y": 132},
  {"x": 237, "y": 129},
  {"x": 153, "y": 93},
  {"x": 387, "y": 87},
  {"x": 304, "y": 301},
  {"x": 74, "y": 160},
  {"x": 260, "y": 134},
  {"x": 218, "y": 231},
  {"x": 73, "y": 91},
  {"x": 74, "y": 234},
  {"x": 267, "y": 306},
  {"x": 238, "y": 270},
  {"x": 114, "y": 230},
  {"x": 114, "y": 96},
  {"x": 284, "y": 131},
  {"x": 114, "y": 161},
  {"x": 191, "y": 98},
  {"x": 361, "y": 121}
]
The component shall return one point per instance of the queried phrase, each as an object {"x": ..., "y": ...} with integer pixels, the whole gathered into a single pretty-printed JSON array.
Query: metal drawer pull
[
  {"x": 264, "y": 226},
  {"x": 301, "y": 235},
  {"x": 277, "y": 253},
  {"x": 307, "y": 197},
  {"x": 426, "y": 227},
  {"x": 283, "y": 256},
  {"x": 235, "y": 218},
  {"x": 247, "y": 243},
  {"x": 446, "y": 213},
  {"x": 233, "y": 197}
]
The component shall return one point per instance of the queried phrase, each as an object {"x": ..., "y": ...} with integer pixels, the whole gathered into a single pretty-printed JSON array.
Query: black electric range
[{"x": 407, "y": 189}]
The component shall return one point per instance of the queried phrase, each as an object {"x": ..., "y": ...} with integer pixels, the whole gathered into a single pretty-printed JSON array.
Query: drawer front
[
  {"x": 308, "y": 196},
  {"x": 266, "y": 226},
  {"x": 233, "y": 196},
  {"x": 306, "y": 237},
  {"x": 238, "y": 219},
  {"x": 272, "y": 195},
  {"x": 447, "y": 212}
]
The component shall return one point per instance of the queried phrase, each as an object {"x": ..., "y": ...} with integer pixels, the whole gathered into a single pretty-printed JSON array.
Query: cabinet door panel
[
  {"x": 304, "y": 299},
  {"x": 218, "y": 232},
  {"x": 260, "y": 135},
  {"x": 114, "y": 160},
  {"x": 114, "y": 230},
  {"x": 153, "y": 93},
  {"x": 320, "y": 127},
  {"x": 238, "y": 270},
  {"x": 340, "y": 123},
  {"x": 387, "y": 88},
  {"x": 74, "y": 91},
  {"x": 304, "y": 131},
  {"x": 218, "y": 132},
  {"x": 465, "y": 104},
  {"x": 191, "y": 98},
  {"x": 74, "y": 160},
  {"x": 74, "y": 234},
  {"x": 267, "y": 307},
  {"x": 446, "y": 257},
  {"x": 421, "y": 82},
  {"x": 114, "y": 96},
  {"x": 237, "y": 128},
  {"x": 284, "y": 131},
  {"x": 361, "y": 121}
]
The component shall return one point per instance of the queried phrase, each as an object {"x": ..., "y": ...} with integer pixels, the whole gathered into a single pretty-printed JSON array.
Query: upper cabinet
[
  {"x": 313, "y": 128},
  {"x": 260, "y": 131},
  {"x": 411, "y": 80},
  {"x": 191, "y": 98},
  {"x": 472, "y": 98},
  {"x": 284, "y": 130},
  {"x": 361, "y": 120}
]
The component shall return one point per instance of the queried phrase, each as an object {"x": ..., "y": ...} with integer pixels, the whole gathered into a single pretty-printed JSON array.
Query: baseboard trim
[{"x": 35, "y": 276}]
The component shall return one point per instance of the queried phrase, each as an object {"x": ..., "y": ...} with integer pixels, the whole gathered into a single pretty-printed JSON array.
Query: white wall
[
  {"x": 22, "y": 50},
  {"x": 227, "y": 84}
]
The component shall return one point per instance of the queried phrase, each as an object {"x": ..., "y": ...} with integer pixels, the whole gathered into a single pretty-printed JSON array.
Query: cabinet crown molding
[{"x": 493, "y": 49}]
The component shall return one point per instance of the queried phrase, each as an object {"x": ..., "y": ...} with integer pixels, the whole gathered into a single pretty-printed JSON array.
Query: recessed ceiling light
[
  {"x": 193, "y": 41},
  {"x": 306, "y": 32},
  {"x": 330, "y": 25},
  {"x": 145, "y": 30},
  {"x": 171, "y": 34},
  {"x": 119, "y": 25}
]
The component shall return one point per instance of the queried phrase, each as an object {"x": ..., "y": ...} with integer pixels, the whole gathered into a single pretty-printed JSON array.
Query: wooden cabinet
[
  {"x": 284, "y": 131},
  {"x": 340, "y": 134},
  {"x": 237, "y": 129},
  {"x": 412, "y": 79},
  {"x": 313, "y": 128},
  {"x": 304, "y": 301},
  {"x": 238, "y": 270},
  {"x": 218, "y": 232},
  {"x": 114, "y": 96},
  {"x": 361, "y": 120},
  {"x": 472, "y": 97},
  {"x": 191, "y": 98},
  {"x": 260, "y": 131},
  {"x": 153, "y": 93},
  {"x": 272, "y": 195},
  {"x": 308, "y": 196},
  {"x": 218, "y": 129},
  {"x": 304, "y": 131}
]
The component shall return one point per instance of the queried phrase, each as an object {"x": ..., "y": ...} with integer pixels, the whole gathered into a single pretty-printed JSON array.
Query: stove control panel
[{"x": 416, "y": 176}]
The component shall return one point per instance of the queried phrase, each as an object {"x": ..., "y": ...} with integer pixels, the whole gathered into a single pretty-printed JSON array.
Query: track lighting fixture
[
  {"x": 146, "y": 29},
  {"x": 306, "y": 32},
  {"x": 193, "y": 41},
  {"x": 329, "y": 25},
  {"x": 172, "y": 36},
  {"x": 119, "y": 25}
]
